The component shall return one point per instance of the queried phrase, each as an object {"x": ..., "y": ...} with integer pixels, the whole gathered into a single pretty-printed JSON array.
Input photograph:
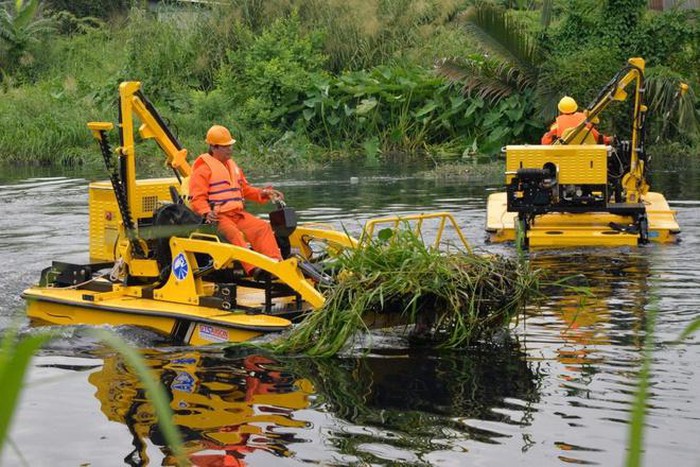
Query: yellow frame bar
[{"x": 393, "y": 221}]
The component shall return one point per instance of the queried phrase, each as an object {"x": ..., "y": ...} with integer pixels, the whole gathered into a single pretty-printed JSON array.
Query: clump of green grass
[{"x": 456, "y": 298}]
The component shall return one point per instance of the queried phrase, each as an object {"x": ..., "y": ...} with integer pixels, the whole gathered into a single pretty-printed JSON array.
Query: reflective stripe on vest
[{"x": 224, "y": 184}]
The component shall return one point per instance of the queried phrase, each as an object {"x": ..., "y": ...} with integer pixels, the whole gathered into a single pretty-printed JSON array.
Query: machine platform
[{"x": 569, "y": 229}]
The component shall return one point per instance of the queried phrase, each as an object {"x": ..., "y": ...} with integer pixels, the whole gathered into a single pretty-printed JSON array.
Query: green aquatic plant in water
[{"x": 454, "y": 298}]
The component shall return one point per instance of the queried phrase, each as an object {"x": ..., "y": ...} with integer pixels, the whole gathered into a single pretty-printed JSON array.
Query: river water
[{"x": 556, "y": 390}]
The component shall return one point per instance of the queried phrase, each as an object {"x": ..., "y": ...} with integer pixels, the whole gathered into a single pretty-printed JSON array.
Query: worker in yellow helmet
[
  {"x": 570, "y": 118},
  {"x": 218, "y": 189}
]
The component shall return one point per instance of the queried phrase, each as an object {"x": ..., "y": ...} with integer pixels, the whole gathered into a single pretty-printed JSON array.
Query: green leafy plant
[
  {"x": 21, "y": 25},
  {"x": 514, "y": 58},
  {"x": 266, "y": 83},
  {"x": 508, "y": 73}
]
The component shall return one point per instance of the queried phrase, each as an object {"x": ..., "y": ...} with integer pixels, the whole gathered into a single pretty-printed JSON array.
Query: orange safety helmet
[
  {"x": 567, "y": 105},
  {"x": 219, "y": 136}
]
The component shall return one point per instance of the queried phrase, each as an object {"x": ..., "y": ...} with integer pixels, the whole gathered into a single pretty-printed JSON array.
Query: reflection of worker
[
  {"x": 218, "y": 188},
  {"x": 569, "y": 118},
  {"x": 263, "y": 380}
]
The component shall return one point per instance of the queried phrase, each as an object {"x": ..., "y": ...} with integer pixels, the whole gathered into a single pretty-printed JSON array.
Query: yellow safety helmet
[
  {"x": 219, "y": 136},
  {"x": 567, "y": 105}
]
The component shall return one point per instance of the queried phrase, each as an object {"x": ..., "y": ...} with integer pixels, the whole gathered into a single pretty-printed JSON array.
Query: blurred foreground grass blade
[
  {"x": 15, "y": 356},
  {"x": 156, "y": 394},
  {"x": 635, "y": 444},
  {"x": 692, "y": 328}
]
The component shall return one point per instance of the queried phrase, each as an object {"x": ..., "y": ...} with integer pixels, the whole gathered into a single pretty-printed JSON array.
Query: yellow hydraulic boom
[
  {"x": 634, "y": 182},
  {"x": 132, "y": 103}
]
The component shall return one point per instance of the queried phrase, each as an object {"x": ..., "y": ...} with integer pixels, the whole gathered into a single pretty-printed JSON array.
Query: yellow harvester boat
[
  {"x": 578, "y": 193},
  {"x": 153, "y": 264}
]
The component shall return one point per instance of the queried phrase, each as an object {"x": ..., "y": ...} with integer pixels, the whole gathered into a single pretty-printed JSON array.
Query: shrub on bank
[{"x": 279, "y": 74}]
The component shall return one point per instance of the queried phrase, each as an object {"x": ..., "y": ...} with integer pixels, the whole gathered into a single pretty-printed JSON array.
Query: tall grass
[
  {"x": 45, "y": 125},
  {"x": 15, "y": 357}
]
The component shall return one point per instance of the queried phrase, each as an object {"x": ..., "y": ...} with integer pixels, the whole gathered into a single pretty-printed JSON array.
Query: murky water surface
[{"x": 557, "y": 390}]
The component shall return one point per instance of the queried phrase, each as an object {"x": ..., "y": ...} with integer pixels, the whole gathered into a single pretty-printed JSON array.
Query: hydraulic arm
[
  {"x": 132, "y": 103},
  {"x": 633, "y": 183}
]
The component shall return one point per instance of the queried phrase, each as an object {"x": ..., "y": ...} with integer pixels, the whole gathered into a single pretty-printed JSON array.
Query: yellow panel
[
  {"x": 578, "y": 164},
  {"x": 67, "y": 306},
  {"x": 104, "y": 214}
]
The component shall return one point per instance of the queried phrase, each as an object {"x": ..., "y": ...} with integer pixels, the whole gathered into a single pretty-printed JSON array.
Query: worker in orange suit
[
  {"x": 218, "y": 189},
  {"x": 570, "y": 118}
]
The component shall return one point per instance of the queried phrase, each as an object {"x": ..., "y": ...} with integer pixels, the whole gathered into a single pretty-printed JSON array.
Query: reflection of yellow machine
[
  {"x": 164, "y": 270},
  {"x": 584, "y": 194},
  {"x": 589, "y": 324},
  {"x": 225, "y": 409}
]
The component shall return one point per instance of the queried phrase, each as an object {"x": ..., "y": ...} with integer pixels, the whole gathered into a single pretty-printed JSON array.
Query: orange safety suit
[
  {"x": 566, "y": 121},
  {"x": 225, "y": 187}
]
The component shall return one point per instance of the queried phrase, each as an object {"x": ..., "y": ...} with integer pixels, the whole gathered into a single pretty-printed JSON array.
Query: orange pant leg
[
  {"x": 227, "y": 226},
  {"x": 240, "y": 227},
  {"x": 259, "y": 233}
]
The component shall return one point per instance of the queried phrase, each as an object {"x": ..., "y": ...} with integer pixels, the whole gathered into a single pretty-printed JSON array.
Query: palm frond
[
  {"x": 674, "y": 107},
  {"x": 499, "y": 34},
  {"x": 490, "y": 80},
  {"x": 25, "y": 13},
  {"x": 547, "y": 12}
]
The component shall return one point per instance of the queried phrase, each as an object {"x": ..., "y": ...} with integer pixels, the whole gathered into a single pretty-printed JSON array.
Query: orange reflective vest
[
  {"x": 224, "y": 183},
  {"x": 566, "y": 121}
]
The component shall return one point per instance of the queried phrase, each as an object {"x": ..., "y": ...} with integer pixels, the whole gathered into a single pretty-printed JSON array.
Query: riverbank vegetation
[{"x": 307, "y": 81}]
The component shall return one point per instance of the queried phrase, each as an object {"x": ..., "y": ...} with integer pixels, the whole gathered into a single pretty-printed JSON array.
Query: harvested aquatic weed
[{"x": 456, "y": 298}]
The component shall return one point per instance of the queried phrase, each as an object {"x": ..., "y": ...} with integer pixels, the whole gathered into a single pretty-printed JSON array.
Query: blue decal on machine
[
  {"x": 653, "y": 234},
  {"x": 184, "y": 361},
  {"x": 180, "y": 267},
  {"x": 183, "y": 382},
  {"x": 213, "y": 333}
]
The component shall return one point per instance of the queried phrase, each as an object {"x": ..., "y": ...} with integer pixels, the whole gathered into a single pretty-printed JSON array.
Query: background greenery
[{"x": 306, "y": 81}]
